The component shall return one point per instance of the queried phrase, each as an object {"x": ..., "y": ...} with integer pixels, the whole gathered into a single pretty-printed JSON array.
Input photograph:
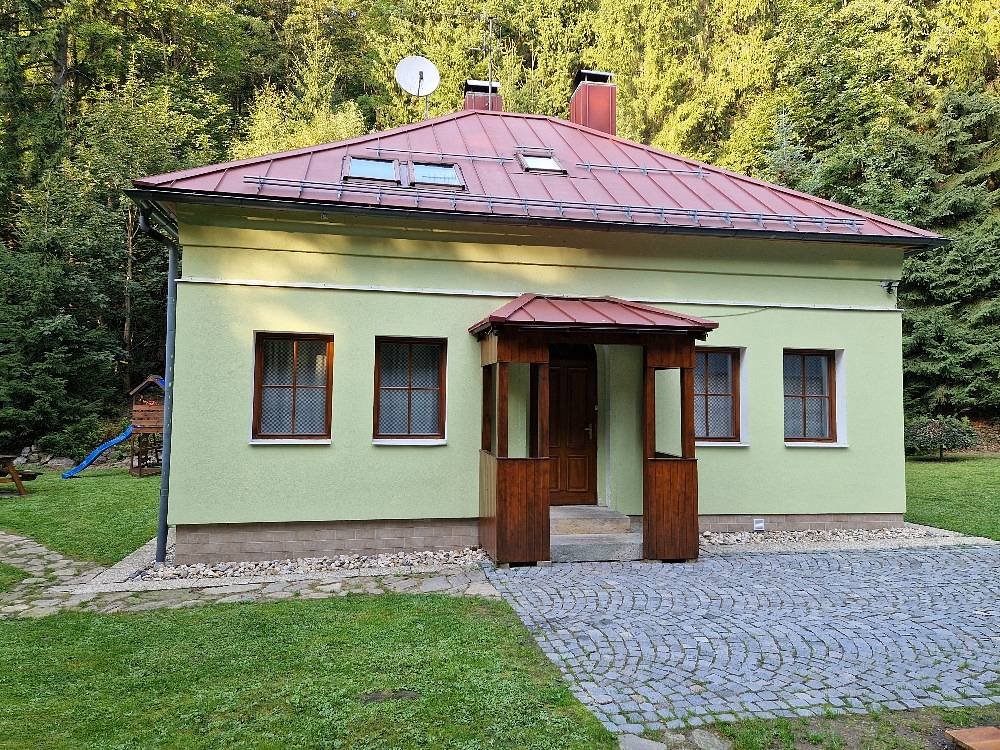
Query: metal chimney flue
[
  {"x": 483, "y": 95},
  {"x": 594, "y": 101}
]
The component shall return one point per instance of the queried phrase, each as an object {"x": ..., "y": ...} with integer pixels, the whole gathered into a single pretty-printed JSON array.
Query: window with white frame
[
  {"x": 385, "y": 170},
  {"x": 545, "y": 163},
  {"x": 437, "y": 174}
]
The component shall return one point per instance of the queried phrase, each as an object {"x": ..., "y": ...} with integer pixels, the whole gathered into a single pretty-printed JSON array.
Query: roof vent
[
  {"x": 594, "y": 101},
  {"x": 483, "y": 95}
]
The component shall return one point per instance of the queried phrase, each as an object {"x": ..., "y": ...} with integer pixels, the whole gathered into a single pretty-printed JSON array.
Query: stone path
[
  {"x": 44, "y": 565},
  {"x": 650, "y": 646},
  {"x": 58, "y": 583}
]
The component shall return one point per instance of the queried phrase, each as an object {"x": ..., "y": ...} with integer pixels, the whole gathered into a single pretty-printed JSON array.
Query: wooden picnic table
[
  {"x": 7, "y": 464},
  {"x": 977, "y": 738}
]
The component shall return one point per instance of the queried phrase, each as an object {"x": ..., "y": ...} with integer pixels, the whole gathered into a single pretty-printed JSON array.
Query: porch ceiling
[{"x": 583, "y": 313}]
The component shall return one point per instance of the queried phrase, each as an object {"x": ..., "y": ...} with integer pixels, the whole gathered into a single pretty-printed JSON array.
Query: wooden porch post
[
  {"x": 489, "y": 406},
  {"x": 540, "y": 410},
  {"x": 648, "y": 406},
  {"x": 687, "y": 412},
  {"x": 503, "y": 389},
  {"x": 669, "y": 483},
  {"x": 513, "y": 492}
]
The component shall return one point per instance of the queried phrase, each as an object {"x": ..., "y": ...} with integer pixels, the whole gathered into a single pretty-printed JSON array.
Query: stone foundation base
[
  {"x": 225, "y": 542},
  {"x": 801, "y": 521}
]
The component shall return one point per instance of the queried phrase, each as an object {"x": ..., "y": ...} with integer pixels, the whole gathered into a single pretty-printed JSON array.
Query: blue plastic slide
[{"x": 70, "y": 473}]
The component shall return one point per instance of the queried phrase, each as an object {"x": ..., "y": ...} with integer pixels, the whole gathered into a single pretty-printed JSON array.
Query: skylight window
[
  {"x": 540, "y": 163},
  {"x": 436, "y": 174},
  {"x": 373, "y": 169}
]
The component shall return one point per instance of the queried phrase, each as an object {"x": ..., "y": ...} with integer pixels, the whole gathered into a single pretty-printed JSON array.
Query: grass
[
  {"x": 10, "y": 576},
  {"x": 961, "y": 493},
  {"x": 392, "y": 672},
  {"x": 105, "y": 514},
  {"x": 289, "y": 674},
  {"x": 899, "y": 730},
  {"x": 101, "y": 516}
]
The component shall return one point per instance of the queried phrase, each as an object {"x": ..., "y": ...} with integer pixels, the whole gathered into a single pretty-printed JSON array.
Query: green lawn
[
  {"x": 9, "y": 576},
  {"x": 897, "y": 730},
  {"x": 102, "y": 515},
  {"x": 289, "y": 674},
  {"x": 961, "y": 493}
]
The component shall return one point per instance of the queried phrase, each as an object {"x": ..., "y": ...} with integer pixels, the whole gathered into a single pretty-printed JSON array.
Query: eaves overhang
[{"x": 160, "y": 196}]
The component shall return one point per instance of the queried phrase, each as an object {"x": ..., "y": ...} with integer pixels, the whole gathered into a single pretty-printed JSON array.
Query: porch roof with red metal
[
  {"x": 608, "y": 181},
  {"x": 544, "y": 311}
]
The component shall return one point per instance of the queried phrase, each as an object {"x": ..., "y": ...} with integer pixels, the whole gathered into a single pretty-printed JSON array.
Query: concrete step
[
  {"x": 587, "y": 519},
  {"x": 596, "y": 547}
]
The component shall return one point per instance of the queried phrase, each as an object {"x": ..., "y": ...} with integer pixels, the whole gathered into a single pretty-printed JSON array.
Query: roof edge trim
[{"x": 140, "y": 193}]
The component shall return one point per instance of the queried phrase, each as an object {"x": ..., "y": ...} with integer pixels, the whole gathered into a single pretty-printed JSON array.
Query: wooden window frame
[
  {"x": 701, "y": 399},
  {"x": 258, "y": 384},
  {"x": 831, "y": 396},
  {"x": 442, "y": 389}
]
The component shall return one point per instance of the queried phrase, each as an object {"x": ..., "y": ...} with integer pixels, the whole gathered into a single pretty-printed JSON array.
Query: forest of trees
[{"x": 890, "y": 106}]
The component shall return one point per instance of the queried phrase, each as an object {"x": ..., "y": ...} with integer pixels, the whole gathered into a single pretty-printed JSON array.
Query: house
[{"x": 427, "y": 337}]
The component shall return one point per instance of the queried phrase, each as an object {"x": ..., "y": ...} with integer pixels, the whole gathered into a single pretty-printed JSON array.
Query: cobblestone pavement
[
  {"x": 652, "y": 646},
  {"x": 58, "y": 583}
]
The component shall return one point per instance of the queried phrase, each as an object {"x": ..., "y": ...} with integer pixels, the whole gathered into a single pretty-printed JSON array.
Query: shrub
[
  {"x": 77, "y": 439},
  {"x": 926, "y": 435}
]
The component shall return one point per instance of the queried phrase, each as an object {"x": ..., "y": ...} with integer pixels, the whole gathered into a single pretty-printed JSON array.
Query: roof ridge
[{"x": 514, "y": 305}]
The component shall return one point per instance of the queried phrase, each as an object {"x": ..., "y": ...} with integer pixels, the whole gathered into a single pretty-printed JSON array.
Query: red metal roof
[
  {"x": 608, "y": 180},
  {"x": 530, "y": 310}
]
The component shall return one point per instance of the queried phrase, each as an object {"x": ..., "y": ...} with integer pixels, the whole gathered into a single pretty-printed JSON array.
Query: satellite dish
[{"x": 417, "y": 75}]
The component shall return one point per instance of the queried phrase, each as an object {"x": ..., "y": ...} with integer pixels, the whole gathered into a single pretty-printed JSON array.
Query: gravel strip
[
  {"x": 909, "y": 535},
  {"x": 425, "y": 561}
]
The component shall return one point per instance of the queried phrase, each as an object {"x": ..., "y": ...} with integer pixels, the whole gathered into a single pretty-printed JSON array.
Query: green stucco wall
[
  {"x": 667, "y": 392},
  {"x": 244, "y": 273},
  {"x": 518, "y": 410},
  {"x": 619, "y": 463}
]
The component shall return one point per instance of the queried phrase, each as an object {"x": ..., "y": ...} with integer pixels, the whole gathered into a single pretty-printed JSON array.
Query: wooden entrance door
[{"x": 573, "y": 425}]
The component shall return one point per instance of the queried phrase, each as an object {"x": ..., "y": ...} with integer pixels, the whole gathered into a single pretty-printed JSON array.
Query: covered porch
[{"x": 530, "y": 380}]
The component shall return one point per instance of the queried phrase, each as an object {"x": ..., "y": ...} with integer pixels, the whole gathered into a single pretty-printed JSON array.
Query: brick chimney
[
  {"x": 484, "y": 95},
  {"x": 594, "y": 101}
]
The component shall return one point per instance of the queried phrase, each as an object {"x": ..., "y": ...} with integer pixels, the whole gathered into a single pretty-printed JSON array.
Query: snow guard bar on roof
[{"x": 695, "y": 216}]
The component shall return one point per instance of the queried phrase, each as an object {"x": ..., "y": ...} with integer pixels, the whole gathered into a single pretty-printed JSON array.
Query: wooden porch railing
[{"x": 514, "y": 508}]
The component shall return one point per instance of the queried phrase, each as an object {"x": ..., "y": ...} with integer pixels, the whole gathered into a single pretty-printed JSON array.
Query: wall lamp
[{"x": 890, "y": 285}]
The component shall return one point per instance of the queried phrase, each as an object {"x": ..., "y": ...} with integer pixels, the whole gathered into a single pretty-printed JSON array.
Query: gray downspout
[{"x": 168, "y": 385}]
